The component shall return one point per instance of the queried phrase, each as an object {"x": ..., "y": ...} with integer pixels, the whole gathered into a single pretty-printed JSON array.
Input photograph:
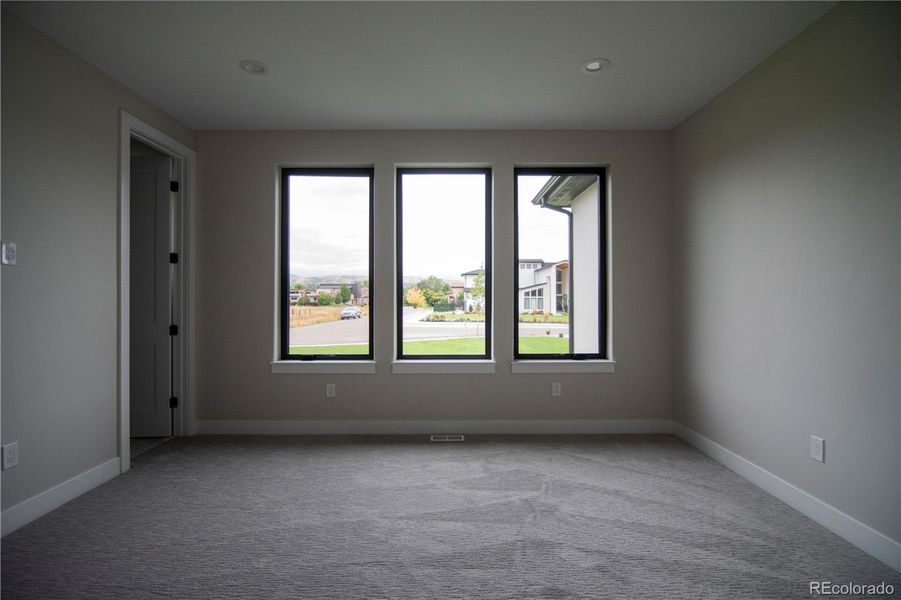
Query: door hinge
[
  {"x": 173, "y": 402},
  {"x": 173, "y": 257},
  {"x": 173, "y": 329},
  {"x": 173, "y": 186}
]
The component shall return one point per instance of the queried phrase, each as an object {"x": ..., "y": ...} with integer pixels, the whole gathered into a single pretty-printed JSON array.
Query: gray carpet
[
  {"x": 141, "y": 445},
  {"x": 498, "y": 517}
]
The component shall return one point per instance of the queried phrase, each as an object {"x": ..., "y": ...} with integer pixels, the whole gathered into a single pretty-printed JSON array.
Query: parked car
[{"x": 351, "y": 312}]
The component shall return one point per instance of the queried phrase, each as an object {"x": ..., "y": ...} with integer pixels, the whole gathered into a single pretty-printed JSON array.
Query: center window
[{"x": 443, "y": 263}]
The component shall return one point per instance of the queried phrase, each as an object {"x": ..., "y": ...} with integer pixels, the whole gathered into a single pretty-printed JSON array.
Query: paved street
[{"x": 355, "y": 331}]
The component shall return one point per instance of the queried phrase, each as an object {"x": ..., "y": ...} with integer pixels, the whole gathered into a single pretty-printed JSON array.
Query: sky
[
  {"x": 543, "y": 233},
  {"x": 443, "y": 225},
  {"x": 329, "y": 225}
]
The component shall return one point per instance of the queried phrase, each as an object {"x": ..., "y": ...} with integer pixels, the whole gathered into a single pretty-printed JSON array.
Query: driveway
[{"x": 356, "y": 331}]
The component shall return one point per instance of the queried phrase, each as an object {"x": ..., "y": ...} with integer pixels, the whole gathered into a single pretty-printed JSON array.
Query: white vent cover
[{"x": 447, "y": 437}]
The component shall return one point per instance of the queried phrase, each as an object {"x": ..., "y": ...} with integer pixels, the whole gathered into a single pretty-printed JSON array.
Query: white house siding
[
  {"x": 585, "y": 265},
  {"x": 468, "y": 300}
]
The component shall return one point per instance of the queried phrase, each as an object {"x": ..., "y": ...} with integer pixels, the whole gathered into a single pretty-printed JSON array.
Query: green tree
[
  {"x": 478, "y": 291},
  {"x": 303, "y": 301},
  {"x": 326, "y": 299},
  {"x": 296, "y": 286},
  {"x": 433, "y": 284},
  {"x": 432, "y": 297},
  {"x": 344, "y": 294}
]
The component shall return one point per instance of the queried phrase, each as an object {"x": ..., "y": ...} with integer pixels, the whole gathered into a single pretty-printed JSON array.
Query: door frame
[{"x": 184, "y": 162}]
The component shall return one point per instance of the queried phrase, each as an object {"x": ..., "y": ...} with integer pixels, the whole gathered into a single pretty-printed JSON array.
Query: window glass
[
  {"x": 326, "y": 267},
  {"x": 443, "y": 262},
  {"x": 560, "y": 216}
]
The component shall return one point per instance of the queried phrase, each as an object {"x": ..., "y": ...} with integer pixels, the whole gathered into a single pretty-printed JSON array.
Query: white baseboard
[
  {"x": 426, "y": 427},
  {"x": 37, "y": 506},
  {"x": 861, "y": 535}
]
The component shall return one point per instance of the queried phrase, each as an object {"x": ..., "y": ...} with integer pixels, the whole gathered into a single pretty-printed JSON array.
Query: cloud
[
  {"x": 443, "y": 226},
  {"x": 329, "y": 225}
]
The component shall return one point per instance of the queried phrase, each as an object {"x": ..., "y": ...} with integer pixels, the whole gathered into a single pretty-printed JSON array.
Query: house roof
[
  {"x": 475, "y": 272},
  {"x": 534, "y": 285},
  {"x": 561, "y": 190}
]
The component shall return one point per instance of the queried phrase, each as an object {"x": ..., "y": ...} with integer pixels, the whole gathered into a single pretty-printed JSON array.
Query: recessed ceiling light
[
  {"x": 596, "y": 65},
  {"x": 254, "y": 67}
]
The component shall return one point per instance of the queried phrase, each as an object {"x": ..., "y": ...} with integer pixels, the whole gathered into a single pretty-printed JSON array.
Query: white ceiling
[{"x": 415, "y": 65}]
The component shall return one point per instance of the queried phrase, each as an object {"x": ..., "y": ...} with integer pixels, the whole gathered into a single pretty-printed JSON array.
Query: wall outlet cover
[
  {"x": 8, "y": 253},
  {"x": 818, "y": 448},
  {"x": 10, "y": 455}
]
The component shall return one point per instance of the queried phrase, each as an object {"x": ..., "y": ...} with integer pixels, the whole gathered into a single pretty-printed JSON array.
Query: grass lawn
[
  {"x": 468, "y": 345},
  {"x": 450, "y": 346},
  {"x": 543, "y": 318},
  {"x": 543, "y": 345},
  {"x": 455, "y": 317}
]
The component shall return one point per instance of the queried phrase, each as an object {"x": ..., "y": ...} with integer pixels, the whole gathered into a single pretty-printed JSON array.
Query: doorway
[
  {"x": 153, "y": 199},
  {"x": 155, "y": 292}
]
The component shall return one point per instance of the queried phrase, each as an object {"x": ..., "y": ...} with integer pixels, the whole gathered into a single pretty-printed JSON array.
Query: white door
[{"x": 151, "y": 342}]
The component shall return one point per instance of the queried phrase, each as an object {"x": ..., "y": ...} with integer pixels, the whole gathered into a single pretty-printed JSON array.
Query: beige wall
[
  {"x": 60, "y": 128},
  {"x": 236, "y": 269},
  {"x": 787, "y": 282}
]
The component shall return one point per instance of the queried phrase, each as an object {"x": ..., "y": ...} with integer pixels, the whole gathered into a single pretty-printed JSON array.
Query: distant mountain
[{"x": 349, "y": 279}]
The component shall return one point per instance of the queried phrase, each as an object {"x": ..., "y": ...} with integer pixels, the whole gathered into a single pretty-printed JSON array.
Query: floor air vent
[{"x": 447, "y": 437}]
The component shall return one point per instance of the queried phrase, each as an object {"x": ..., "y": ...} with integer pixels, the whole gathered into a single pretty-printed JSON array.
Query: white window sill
[
  {"x": 443, "y": 366},
  {"x": 563, "y": 366},
  {"x": 366, "y": 367}
]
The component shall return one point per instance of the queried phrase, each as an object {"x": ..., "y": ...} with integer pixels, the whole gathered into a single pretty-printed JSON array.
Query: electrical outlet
[
  {"x": 556, "y": 389},
  {"x": 818, "y": 448},
  {"x": 330, "y": 390},
  {"x": 10, "y": 455},
  {"x": 8, "y": 253}
]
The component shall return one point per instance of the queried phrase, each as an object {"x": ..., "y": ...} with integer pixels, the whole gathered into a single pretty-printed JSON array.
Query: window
[
  {"x": 533, "y": 300},
  {"x": 443, "y": 263},
  {"x": 560, "y": 217},
  {"x": 326, "y": 264}
]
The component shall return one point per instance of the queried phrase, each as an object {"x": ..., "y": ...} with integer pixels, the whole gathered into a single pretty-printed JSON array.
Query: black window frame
[
  {"x": 399, "y": 173},
  {"x": 284, "y": 337},
  {"x": 603, "y": 283}
]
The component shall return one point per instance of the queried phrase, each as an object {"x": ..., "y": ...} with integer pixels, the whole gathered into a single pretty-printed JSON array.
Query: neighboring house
[
  {"x": 577, "y": 196},
  {"x": 455, "y": 291},
  {"x": 543, "y": 286},
  {"x": 470, "y": 301},
  {"x": 333, "y": 289},
  {"x": 329, "y": 288},
  {"x": 359, "y": 294}
]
